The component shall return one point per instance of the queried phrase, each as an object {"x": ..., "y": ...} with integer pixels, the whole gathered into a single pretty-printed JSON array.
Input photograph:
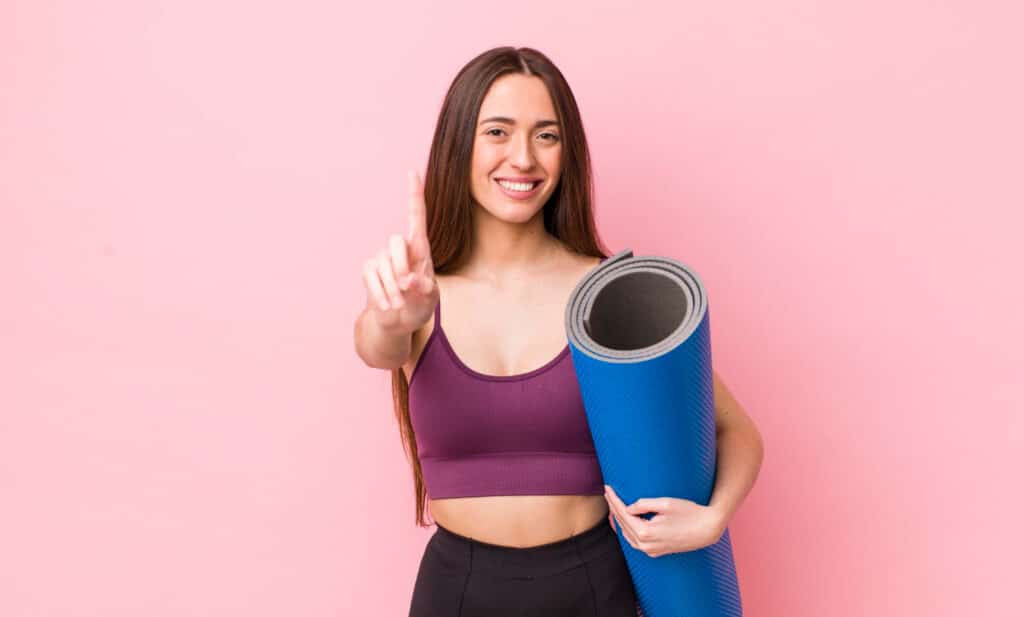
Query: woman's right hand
[{"x": 399, "y": 279}]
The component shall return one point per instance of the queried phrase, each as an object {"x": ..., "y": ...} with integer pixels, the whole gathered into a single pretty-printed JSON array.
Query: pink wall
[{"x": 188, "y": 190}]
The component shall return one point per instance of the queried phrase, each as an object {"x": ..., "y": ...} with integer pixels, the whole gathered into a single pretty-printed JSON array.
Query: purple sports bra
[{"x": 478, "y": 434}]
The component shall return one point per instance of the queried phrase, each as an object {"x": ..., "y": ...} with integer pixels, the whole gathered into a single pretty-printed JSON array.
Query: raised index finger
[{"x": 417, "y": 207}]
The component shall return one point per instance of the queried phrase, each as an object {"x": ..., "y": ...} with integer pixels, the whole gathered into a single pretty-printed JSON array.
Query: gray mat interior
[{"x": 630, "y": 309}]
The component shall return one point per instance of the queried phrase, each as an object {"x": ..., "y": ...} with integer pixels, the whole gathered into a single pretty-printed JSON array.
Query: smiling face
[{"x": 517, "y": 148}]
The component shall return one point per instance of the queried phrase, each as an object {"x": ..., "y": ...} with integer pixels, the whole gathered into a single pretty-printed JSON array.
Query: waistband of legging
[{"x": 540, "y": 560}]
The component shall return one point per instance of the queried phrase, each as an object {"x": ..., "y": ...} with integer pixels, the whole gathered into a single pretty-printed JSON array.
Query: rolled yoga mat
[{"x": 639, "y": 334}]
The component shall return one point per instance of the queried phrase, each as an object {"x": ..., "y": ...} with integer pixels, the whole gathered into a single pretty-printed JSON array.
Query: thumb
[
  {"x": 417, "y": 278},
  {"x": 425, "y": 278},
  {"x": 647, "y": 505}
]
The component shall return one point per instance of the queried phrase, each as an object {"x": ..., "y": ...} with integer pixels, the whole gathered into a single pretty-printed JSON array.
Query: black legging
[{"x": 584, "y": 575}]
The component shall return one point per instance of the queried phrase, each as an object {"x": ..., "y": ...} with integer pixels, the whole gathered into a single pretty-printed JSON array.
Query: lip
[
  {"x": 517, "y": 178},
  {"x": 518, "y": 195}
]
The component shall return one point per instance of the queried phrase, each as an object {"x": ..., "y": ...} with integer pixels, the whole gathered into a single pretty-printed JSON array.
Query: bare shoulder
[
  {"x": 422, "y": 335},
  {"x": 583, "y": 264},
  {"x": 573, "y": 270}
]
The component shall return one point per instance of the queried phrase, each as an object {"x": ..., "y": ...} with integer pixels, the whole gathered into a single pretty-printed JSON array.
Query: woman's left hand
[{"x": 679, "y": 525}]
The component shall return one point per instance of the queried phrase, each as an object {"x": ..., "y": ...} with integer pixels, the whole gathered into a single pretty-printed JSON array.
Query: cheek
[
  {"x": 551, "y": 159},
  {"x": 486, "y": 157}
]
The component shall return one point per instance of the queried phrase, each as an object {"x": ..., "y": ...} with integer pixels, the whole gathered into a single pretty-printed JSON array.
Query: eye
[
  {"x": 552, "y": 135},
  {"x": 488, "y": 131}
]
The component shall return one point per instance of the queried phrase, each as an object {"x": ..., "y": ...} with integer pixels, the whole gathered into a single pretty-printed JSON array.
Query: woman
[{"x": 489, "y": 408}]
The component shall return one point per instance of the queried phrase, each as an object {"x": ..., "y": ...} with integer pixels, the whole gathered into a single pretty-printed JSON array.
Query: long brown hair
[{"x": 568, "y": 214}]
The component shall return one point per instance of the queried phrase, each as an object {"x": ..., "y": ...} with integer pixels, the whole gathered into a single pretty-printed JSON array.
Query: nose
[{"x": 521, "y": 155}]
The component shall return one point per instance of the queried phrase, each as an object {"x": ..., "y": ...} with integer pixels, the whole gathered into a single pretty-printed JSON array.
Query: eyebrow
[{"x": 505, "y": 120}]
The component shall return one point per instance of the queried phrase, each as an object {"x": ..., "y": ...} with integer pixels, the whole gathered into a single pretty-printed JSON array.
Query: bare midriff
[{"x": 519, "y": 520}]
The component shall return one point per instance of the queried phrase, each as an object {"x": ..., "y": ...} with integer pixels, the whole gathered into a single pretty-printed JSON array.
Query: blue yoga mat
[{"x": 639, "y": 334}]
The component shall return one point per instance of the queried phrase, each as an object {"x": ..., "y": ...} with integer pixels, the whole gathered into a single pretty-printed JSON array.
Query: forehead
[{"x": 521, "y": 97}]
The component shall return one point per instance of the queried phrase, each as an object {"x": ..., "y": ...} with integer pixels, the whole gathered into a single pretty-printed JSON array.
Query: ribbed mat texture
[{"x": 639, "y": 335}]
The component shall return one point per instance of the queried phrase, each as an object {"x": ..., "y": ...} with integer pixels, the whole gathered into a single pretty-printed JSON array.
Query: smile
[{"x": 518, "y": 190}]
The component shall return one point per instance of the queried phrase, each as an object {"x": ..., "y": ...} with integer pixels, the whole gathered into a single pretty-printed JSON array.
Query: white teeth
[{"x": 516, "y": 186}]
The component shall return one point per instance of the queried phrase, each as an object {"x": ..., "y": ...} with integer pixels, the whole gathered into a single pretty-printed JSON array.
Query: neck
[{"x": 503, "y": 251}]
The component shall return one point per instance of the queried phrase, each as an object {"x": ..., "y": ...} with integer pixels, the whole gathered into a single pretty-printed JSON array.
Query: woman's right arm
[
  {"x": 377, "y": 346},
  {"x": 401, "y": 292}
]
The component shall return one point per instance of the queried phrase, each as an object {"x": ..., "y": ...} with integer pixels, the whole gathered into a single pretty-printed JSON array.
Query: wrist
[{"x": 719, "y": 518}]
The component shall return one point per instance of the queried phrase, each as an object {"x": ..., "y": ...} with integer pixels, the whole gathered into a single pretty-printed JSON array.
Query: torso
[{"x": 532, "y": 333}]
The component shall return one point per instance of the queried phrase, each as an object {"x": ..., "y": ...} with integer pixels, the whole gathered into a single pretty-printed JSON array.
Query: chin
[{"x": 513, "y": 212}]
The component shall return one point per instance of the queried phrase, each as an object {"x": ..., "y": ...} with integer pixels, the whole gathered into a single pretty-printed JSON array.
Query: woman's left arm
[
  {"x": 740, "y": 451},
  {"x": 684, "y": 525}
]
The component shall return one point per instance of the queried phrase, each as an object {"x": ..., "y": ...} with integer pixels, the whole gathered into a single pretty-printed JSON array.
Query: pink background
[{"x": 188, "y": 191}]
